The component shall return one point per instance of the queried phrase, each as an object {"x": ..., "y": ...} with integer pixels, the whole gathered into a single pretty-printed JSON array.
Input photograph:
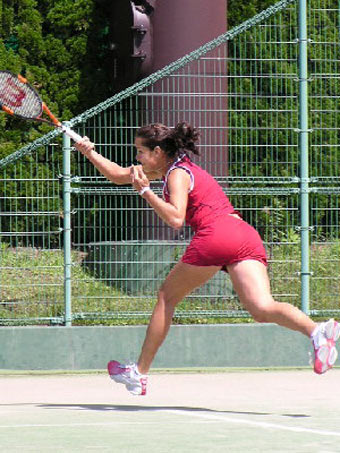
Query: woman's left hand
[
  {"x": 139, "y": 179},
  {"x": 84, "y": 146}
]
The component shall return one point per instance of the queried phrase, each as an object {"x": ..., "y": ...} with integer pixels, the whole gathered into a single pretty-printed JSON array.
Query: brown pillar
[
  {"x": 198, "y": 94},
  {"x": 181, "y": 26}
]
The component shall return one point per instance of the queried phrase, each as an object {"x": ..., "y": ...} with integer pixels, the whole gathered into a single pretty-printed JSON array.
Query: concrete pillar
[{"x": 180, "y": 26}]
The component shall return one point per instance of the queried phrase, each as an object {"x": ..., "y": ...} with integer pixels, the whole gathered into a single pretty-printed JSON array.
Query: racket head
[{"x": 18, "y": 97}]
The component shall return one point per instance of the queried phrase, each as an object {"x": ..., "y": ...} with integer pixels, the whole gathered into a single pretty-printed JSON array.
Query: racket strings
[{"x": 19, "y": 98}]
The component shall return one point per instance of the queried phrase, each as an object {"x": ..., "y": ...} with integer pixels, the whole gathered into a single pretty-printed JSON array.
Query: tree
[{"x": 62, "y": 47}]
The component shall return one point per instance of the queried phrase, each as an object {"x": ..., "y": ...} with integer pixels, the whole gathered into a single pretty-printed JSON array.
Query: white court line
[
  {"x": 206, "y": 417},
  {"x": 265, "y": 425}
]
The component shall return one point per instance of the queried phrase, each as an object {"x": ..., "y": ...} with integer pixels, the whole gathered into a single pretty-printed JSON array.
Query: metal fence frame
[{"x": 303, "y": 185}]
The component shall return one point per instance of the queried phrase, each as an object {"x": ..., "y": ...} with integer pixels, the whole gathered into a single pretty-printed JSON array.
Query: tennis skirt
[{"x": 228, "y": 240}]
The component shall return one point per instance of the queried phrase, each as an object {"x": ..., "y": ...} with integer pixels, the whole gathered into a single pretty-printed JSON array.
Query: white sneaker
[
  {"x": 129, "y": 376},
  {"x": 324, "y": 338}
]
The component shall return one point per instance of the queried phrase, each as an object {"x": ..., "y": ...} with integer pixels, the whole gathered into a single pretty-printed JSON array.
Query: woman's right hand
[
  {"x": 138, "y": 178},
  {"x": 84, "y": 146}
]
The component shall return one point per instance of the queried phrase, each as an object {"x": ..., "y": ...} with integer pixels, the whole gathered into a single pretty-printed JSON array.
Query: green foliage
[
  {"x": 263, "y": 110},
  {"x": 60, "y": 46},
  {"x": 32, "y": 285},
  {"x": 239, "y": 11},
  {"x": 32, "y": 288}
]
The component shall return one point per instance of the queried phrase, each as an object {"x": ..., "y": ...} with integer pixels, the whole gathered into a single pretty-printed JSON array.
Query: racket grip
[{"x": 75, "y": 137}]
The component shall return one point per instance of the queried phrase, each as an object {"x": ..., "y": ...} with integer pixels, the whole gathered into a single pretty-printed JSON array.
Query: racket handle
[{"x": 76, "y": 137}]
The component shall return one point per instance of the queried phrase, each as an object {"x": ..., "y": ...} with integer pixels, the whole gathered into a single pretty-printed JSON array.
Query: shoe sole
[
  {"x": 327, "y": 354},
  {"x": 333, "y": 355},
  {"x": 332, "y": 330}
]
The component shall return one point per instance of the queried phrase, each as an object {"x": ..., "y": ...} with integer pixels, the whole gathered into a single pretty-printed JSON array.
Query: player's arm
[
  {"x": 112, "y": 171},
  {"x": 173, "y": 213}
]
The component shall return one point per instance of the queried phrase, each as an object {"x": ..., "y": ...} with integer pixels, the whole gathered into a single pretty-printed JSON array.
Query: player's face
[{"x": 151, "y": 160}]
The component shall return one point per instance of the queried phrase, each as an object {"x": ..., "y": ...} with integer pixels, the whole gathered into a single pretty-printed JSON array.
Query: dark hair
[{"x": 173, "y": 141}]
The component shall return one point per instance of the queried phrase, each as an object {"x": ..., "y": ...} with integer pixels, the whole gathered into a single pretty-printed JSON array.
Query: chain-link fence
[{"x": 69, "y": 238}]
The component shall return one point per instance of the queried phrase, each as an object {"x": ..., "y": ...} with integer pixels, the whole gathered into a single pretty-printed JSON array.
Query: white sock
[
  {"x": 315, "y": 331},
  {"x": 137, "y": 370}
]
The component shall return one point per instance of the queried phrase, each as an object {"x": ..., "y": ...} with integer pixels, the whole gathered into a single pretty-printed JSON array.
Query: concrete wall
[{"x": 77, "y": 348}]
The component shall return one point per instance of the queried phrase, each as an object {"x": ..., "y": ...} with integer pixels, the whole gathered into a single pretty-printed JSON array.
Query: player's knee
[
  {"x": 166, "y": 298},
  {"x": 262, "y": 312},
  {"x": 163, "y": 296},
  {"x": 260, "y": 316}
]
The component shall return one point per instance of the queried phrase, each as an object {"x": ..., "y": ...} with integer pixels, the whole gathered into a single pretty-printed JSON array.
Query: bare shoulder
[
  {"x": 179, "y": 173},
  {"x": 179, "y": 177}
]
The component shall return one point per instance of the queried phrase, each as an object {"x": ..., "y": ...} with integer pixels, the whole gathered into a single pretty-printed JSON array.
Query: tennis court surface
[{"x": 230, "y": 411}]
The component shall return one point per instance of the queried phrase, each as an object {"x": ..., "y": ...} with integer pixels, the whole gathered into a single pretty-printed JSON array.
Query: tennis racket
[{"x": 19, "y": 98}]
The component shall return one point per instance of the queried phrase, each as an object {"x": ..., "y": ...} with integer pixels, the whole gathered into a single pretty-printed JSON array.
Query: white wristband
[{"x": 145, "y": 189}]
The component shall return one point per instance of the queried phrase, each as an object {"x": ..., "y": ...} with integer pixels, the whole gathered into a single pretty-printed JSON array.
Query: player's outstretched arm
[{"x": 112, "y": 171}]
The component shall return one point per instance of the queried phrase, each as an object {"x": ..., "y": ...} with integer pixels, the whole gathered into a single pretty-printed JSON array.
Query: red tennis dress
[{"x": 220, "y": 239}]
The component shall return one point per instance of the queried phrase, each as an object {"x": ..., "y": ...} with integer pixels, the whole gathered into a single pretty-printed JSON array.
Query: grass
[
  {"x": 325, "y": 274},
  {"x": 32, "y": 285},
  {"x": 32, "y": 289}
]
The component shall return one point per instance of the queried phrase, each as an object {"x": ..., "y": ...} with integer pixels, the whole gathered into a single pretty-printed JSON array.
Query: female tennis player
[{"x": 222, "y": 241}]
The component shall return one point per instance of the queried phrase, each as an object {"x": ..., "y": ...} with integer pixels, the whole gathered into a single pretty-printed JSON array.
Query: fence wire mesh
[{"x": 241, "y": 91}]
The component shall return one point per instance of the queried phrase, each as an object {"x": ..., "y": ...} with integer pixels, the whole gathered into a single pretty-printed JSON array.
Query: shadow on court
[
  {"x": 104, "y": 407},
  {"x": 253, "y": 411}
]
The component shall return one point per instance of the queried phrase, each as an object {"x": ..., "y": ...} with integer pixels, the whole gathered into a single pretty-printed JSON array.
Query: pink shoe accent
[
  {"x": 143, "y": 382},
  {"x": 115, "y": 368}
]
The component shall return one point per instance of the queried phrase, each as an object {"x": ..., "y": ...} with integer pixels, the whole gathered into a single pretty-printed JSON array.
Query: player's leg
[
  {"x": 180, "y": 282},
  {"x": 182, "y": 279},
  {"x": 251, "y": 282}
]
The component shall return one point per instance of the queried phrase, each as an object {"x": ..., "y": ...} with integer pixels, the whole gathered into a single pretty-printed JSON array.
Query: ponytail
[
  {"x": 186, "y": 137},
  {"x": 173, "y": 141}
]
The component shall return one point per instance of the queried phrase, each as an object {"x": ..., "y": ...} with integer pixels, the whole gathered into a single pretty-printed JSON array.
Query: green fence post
[
  {"x": 67, "y": 227},
  {"x": 303, "y": 147}
]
